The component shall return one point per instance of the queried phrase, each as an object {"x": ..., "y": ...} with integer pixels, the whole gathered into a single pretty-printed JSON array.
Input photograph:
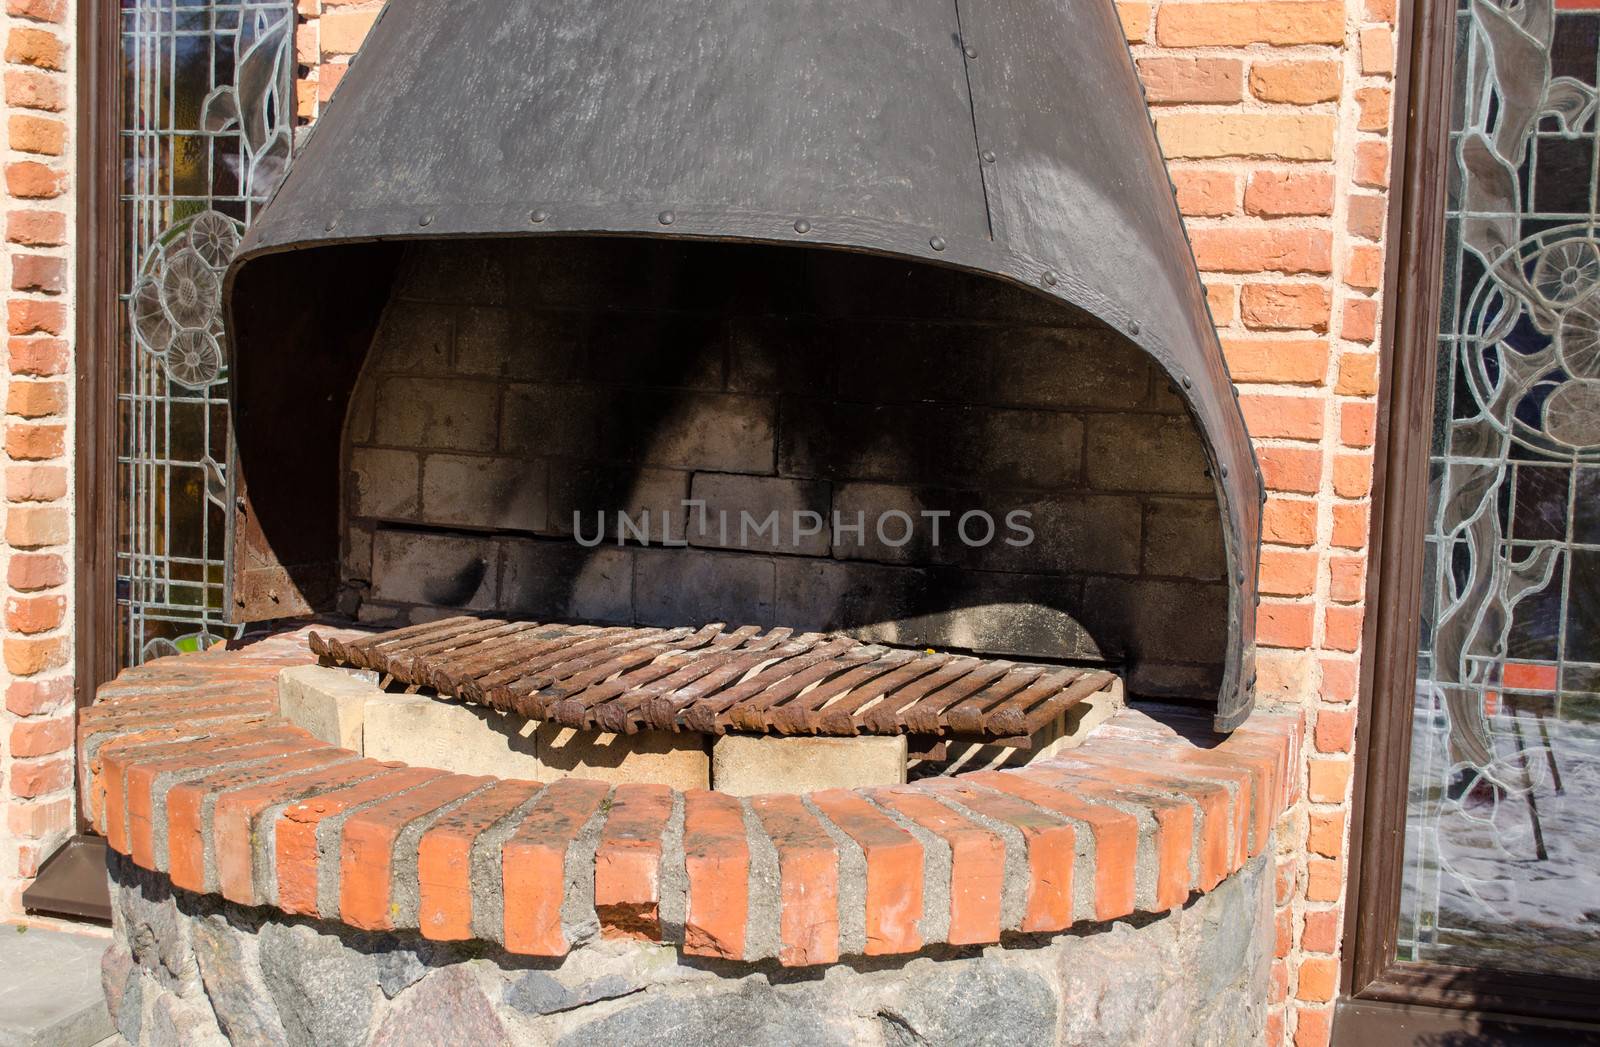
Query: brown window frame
[
  {"x": 97, "y": 333},
  {"x": 1385, "y": 1000}
]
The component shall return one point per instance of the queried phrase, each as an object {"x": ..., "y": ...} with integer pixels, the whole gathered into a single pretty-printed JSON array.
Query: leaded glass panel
[
  {"x": 1503, "y": 822},
  {"x": 207, "y": 127}
]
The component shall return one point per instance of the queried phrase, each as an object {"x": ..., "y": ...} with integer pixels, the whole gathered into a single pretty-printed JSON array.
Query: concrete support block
[
  {"x": 747, "y": 765},
  {"x": 451, "y": 736},
  {"x": 656, "y": 757},
  {"x": 328, "y": 703}
]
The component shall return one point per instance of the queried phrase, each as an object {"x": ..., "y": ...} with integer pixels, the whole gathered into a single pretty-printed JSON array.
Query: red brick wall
[
  {"x": 36, "y": 721},
  {"x": 1275, "y": 118}
]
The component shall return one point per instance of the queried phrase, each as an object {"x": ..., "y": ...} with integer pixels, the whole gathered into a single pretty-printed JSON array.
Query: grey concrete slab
[{"x": 50, "y": 989}]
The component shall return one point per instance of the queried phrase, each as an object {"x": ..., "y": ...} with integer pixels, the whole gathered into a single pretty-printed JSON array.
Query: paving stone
[{"x": 50, "y": 987}]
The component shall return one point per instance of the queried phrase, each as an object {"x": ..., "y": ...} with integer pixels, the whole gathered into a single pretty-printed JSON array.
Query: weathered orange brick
[
  {"x": 43, "y": 135},
  {"x": 328, "y": 76},
  {"x": 1312, "y": 1028},
  {"x": 1364, "y": 267},
  {"x": 1377, "y": 51},
  {"x": 1259, "y": 22},
  {"x": 296, "y": 834},
  {"x": 1263, "y": 249},
  {"x": 627, "y": 865},
  {"x": 1050, "y": 842},
  {"x": 1352, "y": 475},
  {"x": 1347, "y": 578},
  {"x": 1372, "y": 164},
  {"x": 35, "y": 483},
  {"x": 717, "y": 862},
  {"x": 344, "y": 31},
  {"x": 31, "y": 89},
  {"x": 1169, "y": 80},
  {"x": 1350, "y": 526},
  {"x": 1287, "y": 417},
  {"x": 1284, "y": 624},
  {"x": 41, "y": 274},
  {"x": 977, "y": 864},
  {"x": 1280, "y": 136},
  {"x": 1365, "y": 216},
  {"x": 444, "y": 859},
  {"x": 1336, "y": 728},
  {"x": 1115, "y": 833},
  {"x": 31, "y": 527},
  {"x": 1286, "y": 307},
  {"x": 38, "y": 10},
  {"x": 38, "y": 697},
  {"x": 1288, "y": 573},
  {"x": 1297, "y": 470},
  {"x": 1341, "y": 628},
  {"x": 31, "y": 180},
  {"x": 1135, "y": 21},
  {"x": 1205, "y": 193},
  {"x": 1374, "y": 104},
  {"x": 1299, "y": 83},
  {"x": 36, "y": 228},
  {"x": 1360, "y": 322},
  {"x": 28, "y": 316},
  {"x": 36, "y": 47},
  {"x": 1358, "y": 375},
  {"x": 366, "y": 848},
  {"x": 1324, "y": 880},
  {"x": 1223, "y": 301},
  {"x": 36, "y": 399},
  {"x": 40, "y": 357},
  {"x": 808, "y": 881},
  {"x": 1319, "y": 979},
  {"x": 1289, "y": 521},
  {"x": 35, "y": 614},
  {"x": 1384, "y": 10},
  {"x": 35, "y": 737},
  {"x": 1289, "y": 362},
  {"x": 28, "y": 441},
  {"x": 39, "y": 819},
  {"x": 1329, "y": 780},
  {"x": 1278, "y": 194},
  {"x": 241, "y": 798},
  {"x": 532, "y": 865},
  {"x": 1319, "y": 932},
  {"x": 1341, "y": 677},
  {"x": 40, "y": 776},
  {"x": 894, "y": 893},
  {"x": 1326, "y": 834}
]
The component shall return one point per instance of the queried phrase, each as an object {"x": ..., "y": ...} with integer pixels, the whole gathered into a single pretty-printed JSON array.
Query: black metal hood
[{"x": 1009, "y": 139}]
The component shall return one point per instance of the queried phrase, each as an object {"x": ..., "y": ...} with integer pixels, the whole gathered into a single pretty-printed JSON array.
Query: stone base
[{"x": 192, "y": 969}]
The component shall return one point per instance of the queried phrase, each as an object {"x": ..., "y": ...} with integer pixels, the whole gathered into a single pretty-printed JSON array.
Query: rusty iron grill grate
[{"x": 714, "y": 680}]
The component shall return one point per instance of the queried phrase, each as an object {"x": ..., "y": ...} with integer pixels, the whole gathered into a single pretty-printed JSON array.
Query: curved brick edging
[{"x": 187, "y": 769}]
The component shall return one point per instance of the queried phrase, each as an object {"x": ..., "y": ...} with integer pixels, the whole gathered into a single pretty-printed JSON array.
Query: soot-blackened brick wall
[{"x": 519, "y": 390}]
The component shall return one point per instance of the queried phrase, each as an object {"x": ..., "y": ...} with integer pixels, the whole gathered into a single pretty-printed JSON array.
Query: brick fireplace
[{"x": 647, "y": 342}]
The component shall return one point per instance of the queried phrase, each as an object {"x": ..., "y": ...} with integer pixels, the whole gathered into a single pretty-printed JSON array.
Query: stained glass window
[
  {"x": 1503, "y": 823},
  {"x": 207, "y": 126}
]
